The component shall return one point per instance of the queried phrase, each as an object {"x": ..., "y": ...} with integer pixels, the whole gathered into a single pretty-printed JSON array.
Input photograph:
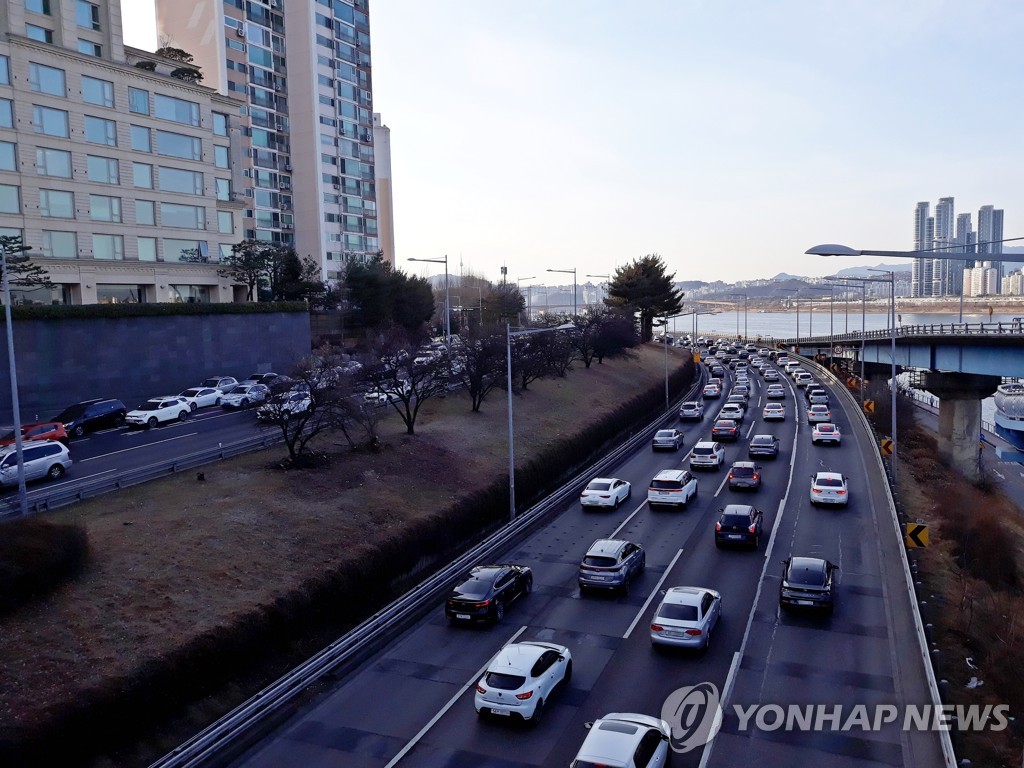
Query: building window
[
  {"x": 38, "y": 6},
  {"x": 178, "y": 145},
  {"x": 138, "y": 101},
  {"x": 220, "y": 124},
  {"x": 223, "y": 189},
  {"x": 142, "y": 175},
  {"x": 141, "y": 141},
  {"x": 5, "y": 71},
  {"x": 120, "y": 294},
  {"x": 56, "y": 204},
  {"x": 44, "y": 79},
  {"x": 53, "y": 162},
  {"x": 99, "y": 92},
  {"x": 9, "y": 199},
  {"x": 147, "y": 248},
  {"x": 102, "y": 170},
  {"x": 90, "y": 48},
  {"x": 191, "y": 294},
  {"x": 145, "y": 212},
  {"x": 183, "y": 216},
  {"x": 6, "y": 113},
  {"x": 52, "y": 122},
  {"x": 220, "y": 157},
  {"x": 103, "y": 208},
  {"x": 60, "y": 245},
  {"x": 182, "y": 250},
  {"x": 178, "y": 180},
  {"x": 108, "y": 247},
  {"x": 176, "y": 110},
  {"x": 87, "y": 15},
  {"x": 100, "y": 131},
  {"x": 42, "y": 34},
  {"x": 225, "y": 222},
  {"x": 8, "y": 156}
]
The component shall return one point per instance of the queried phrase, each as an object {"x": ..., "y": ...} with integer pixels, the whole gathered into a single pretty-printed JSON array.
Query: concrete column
[{"x": 960, "y": 396}]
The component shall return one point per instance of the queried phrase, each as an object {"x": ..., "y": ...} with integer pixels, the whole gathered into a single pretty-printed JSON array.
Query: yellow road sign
[
  {"x": 916, "y": 535},
  {"x": 869, "y": 406},
  {"x": 696, "y": 357},
  {"x": 887, "y": 447}
]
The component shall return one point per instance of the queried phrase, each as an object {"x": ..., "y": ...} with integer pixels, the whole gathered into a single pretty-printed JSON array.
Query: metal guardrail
[
  {"x": 240, "y": 724},
  {"x": 47, "y": 498},
  {"x": 982, "y": 330}
]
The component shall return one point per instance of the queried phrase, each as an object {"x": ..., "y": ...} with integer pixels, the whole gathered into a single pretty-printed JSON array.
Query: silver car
[
  {"x": 686, "y": 617},
  {"x": 669, "y": 439},
  {"x": 45, "y": 458}
]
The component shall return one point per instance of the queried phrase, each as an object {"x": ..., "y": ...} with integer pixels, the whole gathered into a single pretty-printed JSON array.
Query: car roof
[
  {"x": 516, "y": 658},
  {"x": 737, "y": 509},
  {"x": 706, "y": 444},
  {"x": 744, "y": 464},
  {"x": 603, "y": 479},
  {"x": 828, "y": 476},
  {"x": 684, "y": 595},
  {"x": 606, "y": 546},
  {"x": 762, "y": 438},
  {"x": 806, "y": 564}
]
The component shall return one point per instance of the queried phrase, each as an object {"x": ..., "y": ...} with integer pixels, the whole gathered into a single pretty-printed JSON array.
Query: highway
[{"x": 412, "y": 704}]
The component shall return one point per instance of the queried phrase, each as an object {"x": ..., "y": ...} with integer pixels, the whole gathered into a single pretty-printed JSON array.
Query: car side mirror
[
  {"x": 588, "y": 726},
  {"x": 786, "y": 561}
]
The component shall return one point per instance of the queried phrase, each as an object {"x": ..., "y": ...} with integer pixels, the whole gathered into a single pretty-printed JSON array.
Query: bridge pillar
[{"x": 960, "y": 396}]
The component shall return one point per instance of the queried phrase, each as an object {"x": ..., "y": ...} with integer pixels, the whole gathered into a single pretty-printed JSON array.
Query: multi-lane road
[{"x": 412, "y": 704}]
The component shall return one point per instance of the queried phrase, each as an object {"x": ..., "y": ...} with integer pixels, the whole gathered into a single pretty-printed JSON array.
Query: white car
[
  {"x": 224, "y": 383},
  {"x": 775, "y": 392},
  {"x": 818, "y": 414},
  {"x": 803, "y": 380},
  {"x": 245, "y": 395},
  {"x": 826, "y": 433},
  {"x": 159, "y": 410},
  {"x": 385, "y": 394},
  {"x": 829, "y": 488},
  {"x": 667, "y": 438},
  {"x": 686, "y": 617},
  {"x": 774, "y": 412},
  {"x": 707, "y": 454},
  {"x": 521, "y": 678},
  {"x": 691, "y": 410},
  {"x": 732, "y": 411},
  {"x": 605, "y": 492},
  {"x": 625, "y": 739},
  {"x": 42, "y": 458},
  {"x": 284, "y": 406},
  {"x": 770, "y": 374},
  {"x": 201, "y": 397}
]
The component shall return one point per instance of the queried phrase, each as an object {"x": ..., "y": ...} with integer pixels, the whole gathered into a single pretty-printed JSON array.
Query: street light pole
[
  {"x": 509, "y": 333},
  {"x": 892, "y": 354},
  {"x": 796, "y": 299},
  {"x": 744, "y": 315},
  {"x": 862, "y": 284},
  {"x": 447, "y": 304},
  {"x": 567, "y": 271},
  {"x": 529, "y": 308},
  {"x": 607, "y": 278},
  {"x": 13, "y": 373}
]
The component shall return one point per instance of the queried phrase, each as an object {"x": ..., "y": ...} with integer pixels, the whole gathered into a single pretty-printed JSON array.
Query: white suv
[
  {"x": 707, "y": 454},
  {"x": 672, "y": 487},
  {"x": 159, "y": 410}
]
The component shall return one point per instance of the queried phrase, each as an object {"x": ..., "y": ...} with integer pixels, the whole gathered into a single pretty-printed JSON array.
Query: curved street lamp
[
  {"x": 447, "y": 305},
  {"x": 573, "y": 272}
]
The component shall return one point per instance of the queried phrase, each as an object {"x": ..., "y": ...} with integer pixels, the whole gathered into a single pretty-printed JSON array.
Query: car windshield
[
  {"x": 503, "y": 681},
  {"x": 211, "y": 383},
  {"x": 149, "y": 405},
  {"x": 677, "y": 612},
  {"x": 190, "y": 393},
  {"x": 602, "y": 485},
  {"x": 599, "y": 561},
  {"x": 242, "y": 389},
  {"x": 829, "y": 482}
]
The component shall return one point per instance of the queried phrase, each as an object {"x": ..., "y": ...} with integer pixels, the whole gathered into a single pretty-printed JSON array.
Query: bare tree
[
  {"x": 406, "y": 382},
  {"x": 483, "y": 367}
]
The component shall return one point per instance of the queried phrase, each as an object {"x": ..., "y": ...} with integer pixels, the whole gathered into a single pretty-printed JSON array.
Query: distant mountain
[
  {"x": 902, "y": 266},
  {"x": 783, "y": 276}
]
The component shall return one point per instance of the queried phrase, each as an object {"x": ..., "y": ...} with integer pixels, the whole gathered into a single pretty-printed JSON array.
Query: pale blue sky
[{"x": 728, "y": 137}]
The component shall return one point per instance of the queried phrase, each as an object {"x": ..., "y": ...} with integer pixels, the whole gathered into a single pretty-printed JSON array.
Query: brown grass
[{"x": 176, "y": 558}]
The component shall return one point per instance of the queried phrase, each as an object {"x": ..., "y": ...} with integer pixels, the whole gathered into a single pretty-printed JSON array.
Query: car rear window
[
  {"x": 725, "y": 424},
  {"x": 503, "y": 681},
  {"x": 677, "y": 612},
  {"x": 666, "y": 485},
  {"x": 826, "y": 428},
  {"x": 666, "y": 433},
  {"x": 604, "y": 486},
  {"x": 599, "y": 561},
  {"x": 761, "y": 441},
  {"x": 742, "y": 471},
  {"x": 734, "y": 519},
  {"x": 703, "y": 451},
  {"x": 829, "y": 482},
  {"x": 807, "y": 576}
]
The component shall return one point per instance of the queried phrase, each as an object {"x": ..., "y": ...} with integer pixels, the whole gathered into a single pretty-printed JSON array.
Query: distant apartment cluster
[
  {"x": 130, "y": 178},
  {"x": 944, "y": 231}
]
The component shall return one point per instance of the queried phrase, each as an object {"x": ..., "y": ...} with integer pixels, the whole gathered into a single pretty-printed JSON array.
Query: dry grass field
[{"x": 176, "y": 558}]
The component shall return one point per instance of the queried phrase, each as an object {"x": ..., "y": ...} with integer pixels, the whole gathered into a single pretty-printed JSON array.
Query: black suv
[{"x": 91, "y": 415}]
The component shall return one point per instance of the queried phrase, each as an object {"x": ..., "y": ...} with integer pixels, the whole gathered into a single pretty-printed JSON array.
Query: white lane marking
[
  {"x": 451, "y": 702},
  {"x": 747, "y": 436},
  {"x": 730, "y": 680},
  {"x": 721, "y": 485},
  {"x": 650, "y": 597},
  {"x": 626, "y": 521},
  {"x": 996, "y": 473},
  {"x": 137, "y": 447}
]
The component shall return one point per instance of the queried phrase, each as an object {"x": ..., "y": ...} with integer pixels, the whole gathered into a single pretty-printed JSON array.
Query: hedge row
[
  {"x": 335, "y": 600},
  {"x": 156, "y": 309}
]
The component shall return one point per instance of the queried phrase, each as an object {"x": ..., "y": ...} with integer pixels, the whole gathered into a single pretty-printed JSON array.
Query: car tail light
[
  {"x": 840, "y": 493},
  {"x": 657, "y": 628},
  {"x": 524, "y": 696},
  {"x": 718, "y": 526},
  {"x": 693, "y": 632},
  {"x": 480, "y": 688},
  {"x": 484, "y": 604},
  {"x": 756, "y": 475},
  {"x": 730, "y": 475},
  {"x": 816, "y": 490},
  {"x": 752, "y": 528}
]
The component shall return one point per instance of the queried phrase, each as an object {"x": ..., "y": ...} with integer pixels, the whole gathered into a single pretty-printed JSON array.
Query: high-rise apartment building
[
  {"x": 943, "y": 271},
  {"x": 921, "y": 269},
  {"x": 382, "y": 173},
  {"x": 990, "y": 233},
  {"x": 302, "y": 68},
  {"x": 116, "y": 167}
]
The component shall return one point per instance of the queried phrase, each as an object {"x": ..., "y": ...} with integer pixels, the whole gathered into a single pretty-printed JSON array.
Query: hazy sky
[{"x": 727, "y": 137}]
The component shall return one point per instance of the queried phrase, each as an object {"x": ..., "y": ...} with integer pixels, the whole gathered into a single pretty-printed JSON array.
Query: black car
[
  {"x": 725, "y": 429},
  {"x": 486, "y": 591},
  {"x": 808, "y": 582},
  {"x": 745, "y": 474},
  {"x": 739, "y": 524},
  {"x": 91, "y": 415},
  {"x": 763, "y": 445}
]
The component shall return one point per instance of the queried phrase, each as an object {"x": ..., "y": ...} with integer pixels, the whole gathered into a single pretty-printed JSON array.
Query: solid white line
[
  {"x": 721, "y": 485},
  {"x": 137, "y": 447},
  {"x": 730, "y": 680},
  {"x": 752, "y": 425},
  {"x": 472, "y": 681},
  {"x": 626, "y": 521},
  {"x": 650, "y": 597}
]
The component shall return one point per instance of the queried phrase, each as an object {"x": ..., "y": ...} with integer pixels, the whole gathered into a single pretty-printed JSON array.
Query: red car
[{"x": 47, "y": 430}]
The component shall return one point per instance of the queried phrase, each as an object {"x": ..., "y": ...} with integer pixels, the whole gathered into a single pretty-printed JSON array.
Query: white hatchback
[
  {"x": 826, "y": 433},
  {"x": 521, "y": 678},
  {"x": 829, "y": 488},
  {"x": 625, "y": 739},
  {"x": 818, "y": 414}
]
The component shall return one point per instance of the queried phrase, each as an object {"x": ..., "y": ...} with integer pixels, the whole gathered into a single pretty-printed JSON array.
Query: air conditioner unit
[
  {"x": 288, "y": 167},
  {"x": 279, "y": 125},
  {"x": 337, "y": 186},
  {"x": 240, "y": 31},
  {"x": 285, "y": 207},
  {"x": 284, "y": 185},
  {"x": 287, "y": 226}
]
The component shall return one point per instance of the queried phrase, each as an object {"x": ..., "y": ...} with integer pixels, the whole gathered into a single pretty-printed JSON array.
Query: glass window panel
[
  {"x": 8, "y": 156},
  {"x": 220, "y": 124},
  {"x": 52, "y": 122},
  {"x": 179, "y": 180},
  {"x": 5, "y": 71},
  {"x": 60, "y": 245},
  {"x": 147, "y": 248},
  {"x": 174, "y": 249},
  {"x": 38, "y": 6},
  {"x": 178, "y": 110},
  {"x": 103, "y": 208},
  {"x": 9, "y": 199},
  {"x": 99, "y": 92},
  {"x": 100, "y": 131},
  {"x": 191, "y": 294},
  {"x": 53, "y": 162},
  {"x": 90, "y": 48},
  {"x": 108, "y": 247},
  {"x": 6, "y": 113},
  {"x": 225, "y": 222},
  {"x": 138, "y": 101},
  {"x": 54, "y": 203},
  {"x": 223, "y": 189},
  {"x": 44, "y": 79},
  {"x": 141, "y": 139},
  {"x": 184, "y": 216},
  {"x": 42, "y": 34},
  {"x": 178, "y": 145},
  {"x": 220, "y": 157},
  {"x": 102, "y": 170},
  {"x": 87, "y": 14},
  {"x": 145, "y": 212},
  {"x": 142, "y": 175}
]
